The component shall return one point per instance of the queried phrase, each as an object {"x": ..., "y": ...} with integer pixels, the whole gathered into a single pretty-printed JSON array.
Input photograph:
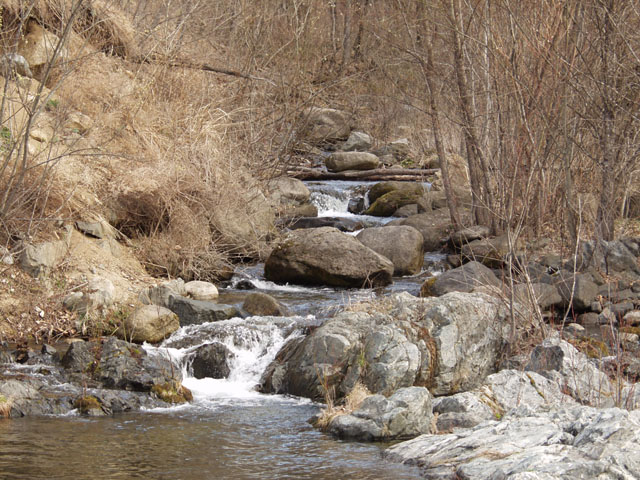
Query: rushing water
[{"x": 229, "y": 431}]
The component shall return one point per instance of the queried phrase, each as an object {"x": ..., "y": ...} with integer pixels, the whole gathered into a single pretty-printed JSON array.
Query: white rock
[{"x": 199, "y": 290}]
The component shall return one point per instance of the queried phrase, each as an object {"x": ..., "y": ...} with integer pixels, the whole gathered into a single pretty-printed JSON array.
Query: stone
[
  {"x": 287, "y": 190},
  {"x": 199, "y": 290},
  {"x": 543, "y": 294},
  {"x": 448, "y": 344},
  {"x": 149, "y": 323},
  {"x": 382, "y": 188},
  {"x": 609, "y": 257},
  {"x": 5, "y": 256},
  {"x": 432, "y": 225},
  {"x": 113, "y": 363},
  {"x": 97, "y": 295},
  {"x": 402, "y": 245},
  {"x": 578, "y": 291},
  {"x": 632, "y": 318},
  {"x": 562, "y": 363},
  {"x": 321, "y": 125},
  {"x": 341, "y": 223},
  {"x": 357, "y": 141},
  {"x": 406, "y": 211},
  {"x": 40, "y": 259},
  {"x": 389, "y": 203},
  {"x": 469, "y": 234},
  {"x": 462, "y": 279},
  {"x": 263, "y": 305},
  {"x": 78, "y": 122},
  {"x": 398, "y": 150},
  {"x": 161, "y": 294},
  {"x": 38, "y": 47},
  {"x": 289, "y": 212},
  {"x": 12, "y": 64},
  {"x": 356, "y": 206},
  {"x": 212, "y": 361},
  {"x": 197, "y": 312},
  {"x": 491, "y": 252},
  {"x": 326, "y": 256},
  {"x": 341, "y": 161},
  {"x": 560, "y": 443},
  {"x": 405, "y": 414},
  {"x": 95, "y": 229}
]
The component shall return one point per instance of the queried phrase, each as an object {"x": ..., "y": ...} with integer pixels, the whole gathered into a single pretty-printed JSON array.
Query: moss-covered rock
[
  {"x": 88, "y": 405},
  {"x": 172, "y": 392},
  {"x": 387, "y": 204}
]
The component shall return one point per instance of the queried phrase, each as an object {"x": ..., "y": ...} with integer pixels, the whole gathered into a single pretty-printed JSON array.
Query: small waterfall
[
  {"x": 254, "y": 343},
  {"x": 332, "y": 199}
]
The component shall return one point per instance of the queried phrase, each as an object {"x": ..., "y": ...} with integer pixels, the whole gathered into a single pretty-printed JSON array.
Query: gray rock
[
  {"x": 326, "y": 256},
  {"x": 406, "y": 414},
  {"x": 212, "y": 361},
  {"x": 5, "y": 256},
  {"x": 433, "y": 226},
  {"x": 287, "y": 190},
  {"x": 561, "y": 362},
  {"x": 199, "y": 290},
  {"x": 491, "y": 252},
  {"x": 95, "y": 229},
  {"x": 114, "y": 363},
  {"x": 563, "y": 443},
  {"x": 632, "y": 318},
  {"x": 12, "y": 64},
  {"x": 196, "y": 312},
  {"x": 264, "y": 305},
  {"x": 407, "y": 188},
  {"x": 469, "y": 234},
  {"x": 462, "y": 279},
  {"x": 149, "y": 323},
  {"x": 341, "y": 161},
  {"x": 357, "y": 141},
  {"x": 609, "y": 257},
  {"x": 400, "y": 244},
  {"x": 449, "y": 344},
  {"x": 406, "y": 211},
  {"x": 97, "y": 295},
  {"x": 342, "y": 224},
  {"x": 161, "y": 294},
  {"x": 322, "y": 125},
  {"x": 543, "y": 294},
  {"x": 40, "y": 259},
  {"x": 583, "y": 289}
]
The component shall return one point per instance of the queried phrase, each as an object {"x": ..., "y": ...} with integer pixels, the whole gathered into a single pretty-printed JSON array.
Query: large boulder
[
  {"x": 462, "y": 279},
  {"x": 492, "y": 252},
  {"x": 609, "y": 257},
  {"x": 290, "y": 198},
  {"x": 382, "y": 188},
  {"x": 561, "y": 443},
  {"x": 543, "y": 294},
  {"x": 322, "y": 125},
  {"x": 562, "y": 363},
  {"x": 114, "y": 363},
  {"x": 576, "y": 290},
  {"x": 326, "y": 256},
  {"x": 97, "y": 295},
  {"x": 405, "y": 414},
  {"x": 389, "y": 203},
  {"x": 149, "y": 323},
  {"x": 196, "y": 312},
  {"x": 212, "y": 361},
  {"x": 341, "y": 161},
  {"x": 261, "y": 304},
  {"x": 38, "y": 47},
  {"x": 448, "y": 344},
  {"x": 467, "y": 235},
  {"x": 199, "y": 290},
  {"x": 402, "y": 245},
  {"x": 432, "y": 225},
  {"x": 41, "y": 259},
  {"x": 357, "y": 142},
  {"x": 341, "y": 223}
]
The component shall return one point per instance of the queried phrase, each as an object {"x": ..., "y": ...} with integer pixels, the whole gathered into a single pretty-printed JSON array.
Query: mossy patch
[
  {"x": 387, "y": 204},
  {"x": 591, "y": 347},
  {"x": 86, "y": 404},
  {"x": 172, "y": 392}
]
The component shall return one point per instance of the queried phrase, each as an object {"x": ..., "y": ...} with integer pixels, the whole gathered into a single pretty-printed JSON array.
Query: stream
[{"x": 229, "y": 431}]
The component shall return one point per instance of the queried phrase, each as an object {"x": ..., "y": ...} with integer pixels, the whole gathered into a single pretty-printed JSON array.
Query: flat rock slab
[
  {"x": 560, "y": 444},
  {"x": 196, "y": 312}
]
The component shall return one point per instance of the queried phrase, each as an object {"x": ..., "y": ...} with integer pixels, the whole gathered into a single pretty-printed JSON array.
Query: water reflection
[{"x": 266, "y": 437}]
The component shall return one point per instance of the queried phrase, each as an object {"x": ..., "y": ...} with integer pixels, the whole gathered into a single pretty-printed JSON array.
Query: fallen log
[{"x": 377, "y": 174}]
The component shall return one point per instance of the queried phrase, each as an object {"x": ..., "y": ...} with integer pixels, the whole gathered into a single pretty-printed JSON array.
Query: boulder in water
[
  {"x": 263, "y": 305},
  {"x": 326, "y": 256},
  {"x": 402, "y": 245},
  {"x": 212, "y": 361}
]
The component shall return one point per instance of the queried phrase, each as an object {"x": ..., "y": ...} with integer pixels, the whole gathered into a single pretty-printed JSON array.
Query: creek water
[{"x": 229, "y": 431}]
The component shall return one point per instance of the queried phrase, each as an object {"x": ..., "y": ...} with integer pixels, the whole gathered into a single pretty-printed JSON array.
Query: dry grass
[
  {"x": 5, "y": 406},
  {"x": 351, "y": 403}
]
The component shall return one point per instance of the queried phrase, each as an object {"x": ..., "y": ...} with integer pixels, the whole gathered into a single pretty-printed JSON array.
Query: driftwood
[{"x": 377, "y": 174}]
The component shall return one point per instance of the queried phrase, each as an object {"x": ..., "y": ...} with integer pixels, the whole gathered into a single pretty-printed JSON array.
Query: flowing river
[{"x": 229, "y": 431}]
